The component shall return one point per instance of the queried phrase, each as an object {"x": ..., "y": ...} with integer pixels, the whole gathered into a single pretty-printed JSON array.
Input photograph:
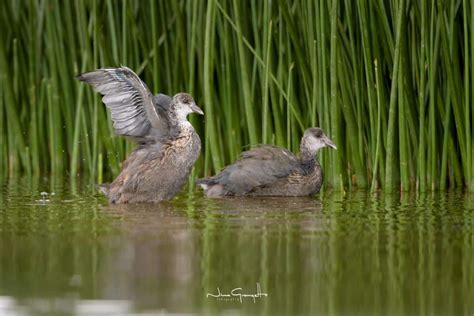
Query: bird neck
[
  {"x": 308, "y": 158},
  {"x": 183, "y": 127}
]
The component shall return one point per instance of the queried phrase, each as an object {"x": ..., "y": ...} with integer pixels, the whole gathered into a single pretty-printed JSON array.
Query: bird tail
[
  {"x": 211, "y": 187},
  {"x": 203, "y": 183},
  {"x": 206, "y": 183}
]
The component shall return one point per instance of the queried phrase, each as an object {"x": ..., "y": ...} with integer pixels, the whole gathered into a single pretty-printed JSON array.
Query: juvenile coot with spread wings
[
  {"x": 272, "y": 171},
  {"x": 168, "y": 145}
]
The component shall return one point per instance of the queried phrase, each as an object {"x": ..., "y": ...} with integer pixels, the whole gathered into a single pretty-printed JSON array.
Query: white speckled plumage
[{"x": 168, "y": 144}]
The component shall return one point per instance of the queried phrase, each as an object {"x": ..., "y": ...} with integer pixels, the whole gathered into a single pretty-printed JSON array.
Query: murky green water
[{"x": 354, "y": 254}]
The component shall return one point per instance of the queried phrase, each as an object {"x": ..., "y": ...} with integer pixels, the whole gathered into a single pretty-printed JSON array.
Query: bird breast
[{"x": 184, "y": 148}]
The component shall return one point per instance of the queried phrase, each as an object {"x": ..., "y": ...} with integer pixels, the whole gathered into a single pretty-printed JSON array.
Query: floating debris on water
[{"x": 44, "y": 197}]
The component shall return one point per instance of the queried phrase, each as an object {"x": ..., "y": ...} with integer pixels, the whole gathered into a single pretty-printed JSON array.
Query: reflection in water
[{"x": 334, "y": 254}]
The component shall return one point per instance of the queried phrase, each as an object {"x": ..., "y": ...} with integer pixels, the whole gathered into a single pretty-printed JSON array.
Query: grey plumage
[
  {"x": 168, "y": 144},
  {"x": 128, "y": 98},
  {"x": 272, "y": 171}
]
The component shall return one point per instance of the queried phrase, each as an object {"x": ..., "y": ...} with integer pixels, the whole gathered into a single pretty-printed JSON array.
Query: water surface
[{"x": 357, "y": 254}]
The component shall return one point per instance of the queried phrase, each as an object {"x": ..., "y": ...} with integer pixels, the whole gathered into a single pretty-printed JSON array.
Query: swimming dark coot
[
  {"x": 168, "y": 145},
  {"x": 272, "y": 171}
]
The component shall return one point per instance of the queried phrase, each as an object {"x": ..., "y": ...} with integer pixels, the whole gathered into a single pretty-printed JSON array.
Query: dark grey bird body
[
  {"x": 168, "y": 145},
  {"x": 272, "y": 171}
]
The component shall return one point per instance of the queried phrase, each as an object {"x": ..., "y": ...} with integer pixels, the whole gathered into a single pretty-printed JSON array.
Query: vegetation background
[{"x": 391, "y": 82}]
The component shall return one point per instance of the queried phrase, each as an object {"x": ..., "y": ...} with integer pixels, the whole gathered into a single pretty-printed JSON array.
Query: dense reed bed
[{"x": 391, "y": 81}]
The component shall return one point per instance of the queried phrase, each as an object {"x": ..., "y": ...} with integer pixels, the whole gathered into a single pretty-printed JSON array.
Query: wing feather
[
  {"x": 258, "y": 167},
  {"x": 129, "y": 100}
]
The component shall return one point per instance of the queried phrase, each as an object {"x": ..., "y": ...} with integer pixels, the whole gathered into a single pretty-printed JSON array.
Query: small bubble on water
[{"x": 44, "y": 196}]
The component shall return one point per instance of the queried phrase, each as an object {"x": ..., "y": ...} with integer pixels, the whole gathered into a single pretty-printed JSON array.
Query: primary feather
[{"x": 134, "y": 110}]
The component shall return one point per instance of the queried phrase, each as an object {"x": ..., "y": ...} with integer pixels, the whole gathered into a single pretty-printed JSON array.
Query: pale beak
[
  {"x": 196, "y": 109},
  {"x": 329, "y": 142}
]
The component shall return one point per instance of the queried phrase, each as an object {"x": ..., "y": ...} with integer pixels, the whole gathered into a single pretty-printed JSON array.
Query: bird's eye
[{"x": 318, "y": 133}]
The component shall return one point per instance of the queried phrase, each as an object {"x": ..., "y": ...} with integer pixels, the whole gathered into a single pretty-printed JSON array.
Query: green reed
[{"x": 390, "y": 81}]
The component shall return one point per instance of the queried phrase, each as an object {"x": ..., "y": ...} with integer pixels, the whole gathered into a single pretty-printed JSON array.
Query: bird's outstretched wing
[
  {"x": 128, "y": 99},
  {"x": 258, "y": 167}
]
